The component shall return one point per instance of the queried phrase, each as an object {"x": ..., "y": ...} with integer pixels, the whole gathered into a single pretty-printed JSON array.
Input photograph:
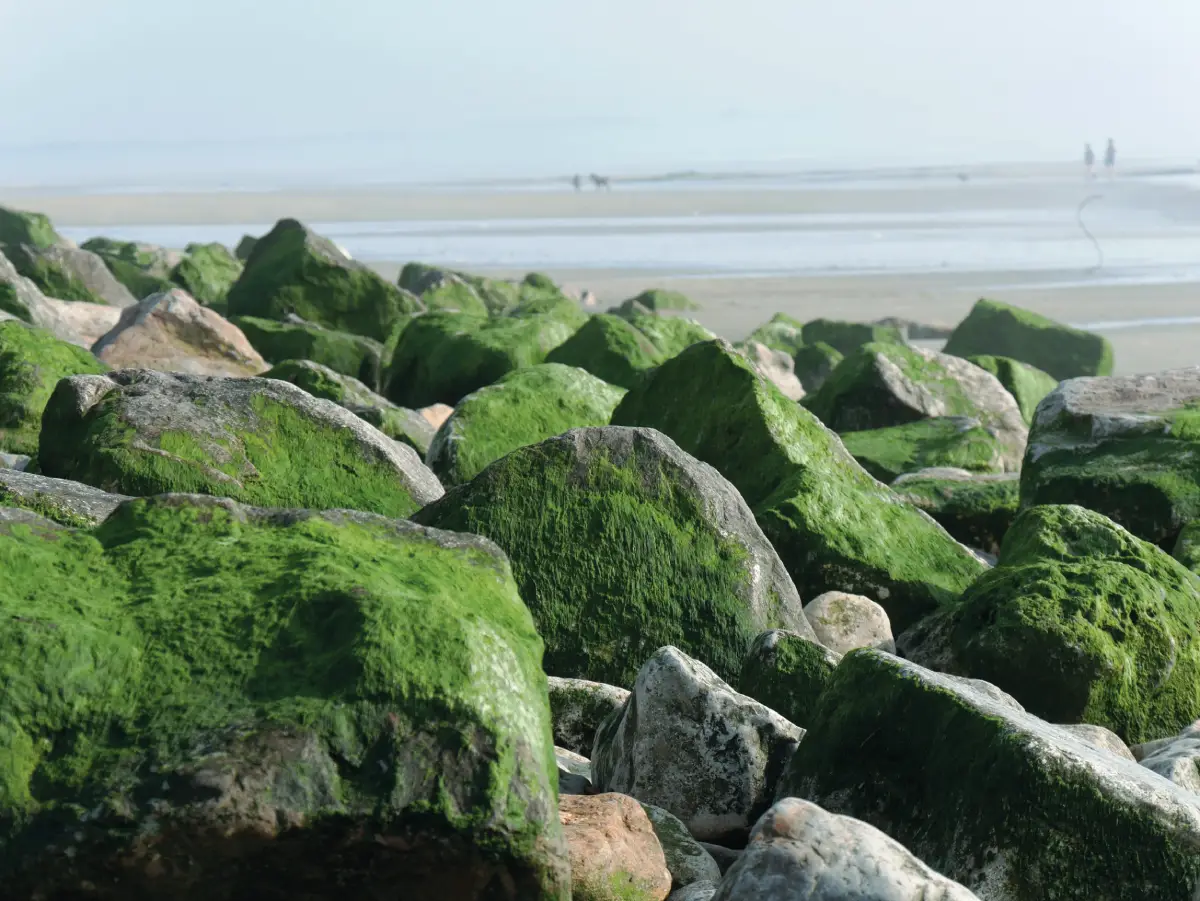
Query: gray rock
[
  {"x": 14, "y": 461},
  {"x": 725, "y": 857},
  {"x": 844, "y": 622},
  {"x": 687, "y": 742},
  {"x": 75, "y": 322},
  {"x": 1099, "y": 737},
  {"x": 70, "y": 503},
  {"x": 574, "y": 773},
  {"x": 697, "y": 891},
  {"x": 1177, "y": 759},
  {"x": 88, "y": 269},
  {"x": 799, "y": 852},
  {"x": 578, "y": 707},
  {"x": 19, "y": 297},
  {"x": 686, "y": 858}
]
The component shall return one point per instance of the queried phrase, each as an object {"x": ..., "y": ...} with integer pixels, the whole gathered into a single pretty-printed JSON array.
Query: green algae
[
  {"x": 611, "y": 349},
  {"x": 656, "y": 300},
  {"x": 978, "y": 512},
  {"x": 458, "y": 296},
  {"x": 143, "y": 269},
  {"x": 787, "y": 673},
  {"x": 351, "y": 355},
  {"x": 33, "y": 229},
  {"x": 1027, "y": 384},
  {"x": 956, "y": 441},
  {"x": 847, "y": 338},
  {"x": 670, "y": 334},
  {"x": 814, "y": 363},
  {"x": 51, "y": 277},
  {"x": 207, "y": 273},
  {"x": 782, "y": 332}
]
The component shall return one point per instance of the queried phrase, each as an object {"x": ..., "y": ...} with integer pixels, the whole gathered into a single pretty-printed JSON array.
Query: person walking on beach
[
  {"x": 1110, "y": 158},
  {"x": 1089, "y": 160},
  {"x": 577, "y": 181}
]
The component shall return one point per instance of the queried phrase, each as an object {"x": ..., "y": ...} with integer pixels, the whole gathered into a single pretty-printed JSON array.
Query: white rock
[{"x": 844, "y": 622}]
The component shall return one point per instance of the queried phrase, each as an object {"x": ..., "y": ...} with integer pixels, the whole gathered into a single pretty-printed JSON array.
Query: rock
[
  {"x": 844, "y": 622},
  {"x": 1176, "y": 759},
  {"x": 294, "y": 270},
  {"x": 78, "y": 323},
  {"x": 670, "y": 334},
  {"x": 19, "y": 297},
  {"x": 376, "y": 716},
  {"x": 524, "y": 407},
  {"x": 621, "y": 543},
  {"x": 697, "y": 891},
  {"x": 725, "y": 857},
  {"x": 1000, "y": 330},
  {"x": 67, "y": 503},
  {"x": 172, "y": 333},
  {"x": 687, "y": 860},
  {"x": 207, "y": 273},
  {"x": 31, "y": 362},
  {"x": 782, "y": 332},
  {"x": 847, "y": 338},
  {"x": 814, "y": 363},
  {"x": 916, "y": 331},
  {"x": 69, "y": 273},
  {"x": 574, "y": 773},
  {"x": 14, "y": 461},
  {"x": 436, "y": 414},
  {"x": 256, "y": 440},
  {"x": 577, "y": 707},
  {"x": 144, "y": 269},
  {"x": 1083, "y": 623},
  {"x": 352, "y": 355},
  {"x": 657, "y": 300},
  {"x": 776, "y": 366},
  {"x": 611, "y": 349},
  {"x": 976, "y": 509},
  {"x": 499, "y": 296},
  {"x": 1121, "y": 446},
  {"x": 397, "y": 423},
  {"x": 615, "y": 855},
  {"x": 452, "y": 293},
  {"x": 956, "y": 442},
  {"x": 245, "y": 247},
  {"x": 800, "y": 852},
  {"x": 835, "y": 527},
  {"x": 1027, "y": 384},
  {"x": 688, "y": 743},
  {"x": 1006, "y": 804},
  {"x": 34, "y": 229},
  {"x": 787, "y": 672},
  {"x": 1099, "y": 737}
]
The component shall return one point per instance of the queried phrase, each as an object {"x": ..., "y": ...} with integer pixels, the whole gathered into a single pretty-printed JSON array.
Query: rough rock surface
[
  {"x": 295, "y": 339},
  {"x": 687, "y": 860},
  {"x": 578, "y": 707},
  {"x": 787, "y": 672},
  {"x": 615, "y": 855},
  {"x": 70, "y": 273},
  {"x": 574, "y": 773},
  {"x": 1177, "y": 759},
  {"x": 975, "y": 508},
  {"x": 782, "y": 332},
  {"x": 814, "y": 363},
  {"x": 64, "y": 502},
  {"x": 1099, "y": 737},
  {"x": 688, "y": 743},
  {"x": 207, "y": 272},
  {"x": 847, "y": 338},
  {"x": 957, "y": 442},
  {"x": 1027, "y": 384},
  {"x": 778, "y": 368},
  {"x": 610, "y": 348},
  {"x": 844, "y": 622}
]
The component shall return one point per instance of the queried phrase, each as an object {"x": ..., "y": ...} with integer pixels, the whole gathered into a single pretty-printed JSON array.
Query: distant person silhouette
[
  {"x": 1110, "y": 158},
  {"x": 1089, "y": 160},
  {"x": 577, "y": 181}
]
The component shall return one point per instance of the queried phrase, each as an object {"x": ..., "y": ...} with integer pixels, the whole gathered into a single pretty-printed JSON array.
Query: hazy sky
[{"x": 1010, "y": 79}]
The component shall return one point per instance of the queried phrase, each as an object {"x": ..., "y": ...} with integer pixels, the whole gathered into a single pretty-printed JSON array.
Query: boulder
[
  {"x": 777, "y": 367},
  {"x": 1099, "y": 737},
  {"x": 61, "y": 501},
  {"x": 610, "y": 348},
  {"x": 835, "y": 527},
  {"x": 19, "y": 297},
  {"x": 844, "y": 622},
  {"x": 1027, "y": 384},
  {"x": 436, "y": 414},
  {"x": 245, "y": 247},
  {"x": 574, "y": 773},
  {"x": 524, "y": 407},
  {"x": 1121, "y": 446},
  {"x": 957, "y": 442},
  {"x": 14, "y": 461},
  {"x": 294, "y": 270},
  {"x": 688, "y": 743},
  {"x": 452, "y": 293},
  {"x": 499, "y": 296},
  {"x": 353, "y": 355},
  {"x": 172, "y": 333},
  {"x": 1007, "y": 804},
  {"x": 78, "y": 323},
  {"x": 256, "y": 440},
  {"x": 615, "y": 855},
  {"x": 916, "y": 331},
  {"x": 787, "y": 672},
  {"x": 847, "y": 338},
  {"x": 31, "y": 362},
  {"x": 577, "y": 707},
  {"x": 343, "y": 701},
  {"x": 814, "y": 363},
  {"x": 800, "y": 852},
  {"x": 976, "y": 509},
  {"x": 144, "y": 269},
  {"x": 33, "y": 229},
  {"x": 782, "y": 332},
  {"x": 621, "y": 543},
  {"x": 687, "y": 860},
  {"x": 1176, "y": 759},
  {"x": 657, "y": 300},
  {"x": 69, "y": 273},
  {"x": 670, "y": 334},
  {"x": 207, "y": 272},
  {"x": 697, "y": 891}
]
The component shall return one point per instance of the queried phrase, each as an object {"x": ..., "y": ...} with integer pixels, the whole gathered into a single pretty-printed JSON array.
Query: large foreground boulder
[
  {"x": 622, "y": 543},
  {"x": 834, "y": 526},
  {"x": 1000, "y": 330},
  {"x": 976, "y": 509},
  {"x": 375, "y": 716},
  {"x": 261, "y": 441},
  {"x": 1005, "y": 803}
]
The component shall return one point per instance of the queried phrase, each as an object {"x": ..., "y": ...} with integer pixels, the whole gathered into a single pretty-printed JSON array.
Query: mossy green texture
[
  {"x": 847, "y": 338},
  {"x": 1187, "y": 547},
  {"x": 456, "y": 295},
  {"x": 1001, "y": 330},
  {"x": 351, "y": 355},
  {"x": 1084, "y": 623},
  {"x": 782, "y": 332},
  {"x": 968, "y": 789},
  {"x": 616, "y": 556},
  {"x": 835, "y": 527},
  {"x": 956, "y": 441},
  {"x": 1027, "y": 384},
  {"x": 140, "y": 284},
  {"x": 657, "y": 300},
  {"x": 524, "y": 407},
  {"x": 670, "y": 334},
  {"x": 51, "y": 277},
  {"x": 182, "y": 625},
  {"x": 293, "y": 270},
  {"x": 141, "y": 268},
  {"x": 207, "y": 273},
  {"x": 497, "y": 295},
  {"x": 978, "y": 512},
  {"x": 787, "y": 672},
  {"x": 611, "y": 349},
  {"x": 319, "y": 382},
  {"x": 34, "y": 229},
  {"x": 813, "y": 364},
  {"x": 32, "y": 361}
]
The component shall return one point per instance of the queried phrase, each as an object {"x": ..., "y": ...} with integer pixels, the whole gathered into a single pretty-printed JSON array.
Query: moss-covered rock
[
  {"x": 956, "y": 441},
  {"x": 352, "y": 355},
  {"x": 207, "y": 273},
  {"x": 67, "y": 503},
  {"x": 993, "y": 797},
  {"x": 1187, "y": 547},
  {"x": 787, "y": 672},
  {"x": 622, "y": 543},
  {"x": 19, "y": 297},
  {"x": 144, "y": 269},
  {"x": 611, "y": 349},
  {"x": 782, "y": 332},
  {"x": 656, "y": 300},
  {"x": 294, "y": 270},
  {"x": 245, "y": 247},
  {"x": 835, "y": 527},
  {"x": 814, "y": 363},
  {"x": 454, "y": 294},
  {"x": 497, "y": 295},
  {"x": 69, "y": 273},
  {"x": 976, "y": 509},
  {"x": 1126, "y": 447},
  {"x": 1084, "y": 623},
  {"x": 397, "y": 423},
  {"x": 256, "y": 440},
  {"x": 578, "y": 707},
  {"x": 31, "y": 362},
  {"x": 342, "y": 700},
  {"x": 848, "y": 338},
  {"x": 1001, "y": 330},
  {"x": 1027, "y": 384},
  {"x": 34, "y": 229},
  {"x": 671, "y": 334}
]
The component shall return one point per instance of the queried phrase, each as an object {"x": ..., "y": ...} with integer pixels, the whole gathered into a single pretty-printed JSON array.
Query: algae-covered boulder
[
  {"x": 848, "y": 338},
  {"x": 81, "y": 324},
  {"x": 656, "y": 300},
  {"x": 33, "y": 229},
  {"x": 19, "y": 297},
  {"x": 976, "y": 509},
  {"x": 787, "y": 672},
  {"x": 397, "y": 423},
  {"x": 31, "y": 362},
  {"x": 993, "y": 797},
  {"x": 452, "y": 293},
  {"x": 296, "y": 339},
  {"x": 670, "y": 334},
  {"x": 144, "y": 269},
  {"x": 245, "y": 247},
  {"x": 961, "y": 442},
  {"x": 1124, "y": 446},
  {"x": 67, "y": 503},
  {"x": 814, "y": 363},
  {"x": 207, "y": 273},
  {"x": 524, "y": 407},
  {"x": 498, "y": 296},
  {"x": 834, "y": 526},
  {"x": 1027, "y": 384},
  {"x": 294, "y": 270},
  {"x": 1084, "y": 623},
  {"x": 610, "y": 348},
  {"x": 256, "y": 440},
  {"x": 687, "y": 860},
  {"x": 69, "y": 273},
  {"x": 782, "y": 332},
  {"x": 578, "y": 707},
  {"x": 622, "y": 543},
  {"x": 343, "y": 701},
  {"x": 997, "y": 329}
]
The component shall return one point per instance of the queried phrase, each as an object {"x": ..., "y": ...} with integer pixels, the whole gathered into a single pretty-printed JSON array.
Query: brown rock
[
  {"x": 171, "y": 332},
  {"x": 437, "y": 414},
  {"x": 777, "y": 367},
  {"x": 80, "y": 323},
  {"x": 615, "y": 854}
]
